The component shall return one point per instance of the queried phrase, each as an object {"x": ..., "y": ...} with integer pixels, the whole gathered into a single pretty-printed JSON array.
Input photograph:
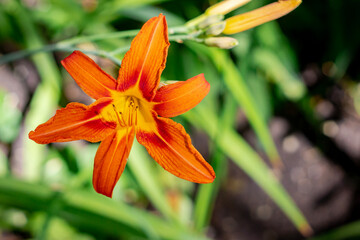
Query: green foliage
[
  {"x": 347, "y": 231},
  {"x": 54, "y": 198},
  {"x": 10, "y": 117}
]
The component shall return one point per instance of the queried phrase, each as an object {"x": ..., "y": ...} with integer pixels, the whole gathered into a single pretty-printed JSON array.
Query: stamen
[
  {"x": 129, "y": 115},
  {"x": 131, "y": 105},
  {"x": 136, "y": 111},
  {"x": 119, "y": 116}
]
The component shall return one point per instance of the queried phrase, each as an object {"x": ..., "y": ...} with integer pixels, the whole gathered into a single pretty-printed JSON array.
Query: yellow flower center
[{"x": 127, "y": 111}]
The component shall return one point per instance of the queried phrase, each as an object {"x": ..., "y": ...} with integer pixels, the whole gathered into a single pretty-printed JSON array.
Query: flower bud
[
  {"x": 221, "y": 42},
  {"x": 225, "y": 7},
  {"x": 215, "y": 29},
  {"x": 209, "y": 20},
  {"x": 259, "y": 16}
]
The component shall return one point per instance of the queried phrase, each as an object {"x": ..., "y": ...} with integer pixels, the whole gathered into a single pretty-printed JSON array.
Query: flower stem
[
  {"x": 178, "y": 34},
  {"x": 97, "y": 37}
]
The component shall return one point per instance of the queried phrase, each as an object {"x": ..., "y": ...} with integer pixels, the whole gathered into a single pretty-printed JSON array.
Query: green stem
[
  {"x": 120, "y": 50},
  {"x": 104, "y": 54},
  {"x": 69, "y": 45},
  {"x": 60, "y": 47},
  {"x": 26, "y": 53},
  {"x": 98, "y": 37},
  {"x": 178, "y": 30},
  {"x": 181, "y": 38}
]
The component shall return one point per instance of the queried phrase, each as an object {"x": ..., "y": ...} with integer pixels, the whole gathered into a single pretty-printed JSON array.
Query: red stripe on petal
[
  {"x": 76, "y": 121},
  {"x": 171, "y": 147},
  {"x": 145, "y": 61}
]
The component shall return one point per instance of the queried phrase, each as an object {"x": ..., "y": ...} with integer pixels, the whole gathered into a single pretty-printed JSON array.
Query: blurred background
[{"x": 289, "y": 92}]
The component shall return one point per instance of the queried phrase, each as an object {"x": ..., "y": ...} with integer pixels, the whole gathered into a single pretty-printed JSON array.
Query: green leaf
[
  {"x": 146, "y": 176},
  {"x": 91, "y": 212},
  {"x": 290, "y": 84},
  {"x": 247, "y": 159},
  {"x": 205, "y": 198},
  {"x": 47, "y": 94},
  {"x": 236, "y": 85},
  {"x": 4, "y": 164},
  {"x": 244, "y": 156},
  {"x": 10, "y": 117},
  {"x": 348, "y": 231},
  {"x": 145, "y": 13}
]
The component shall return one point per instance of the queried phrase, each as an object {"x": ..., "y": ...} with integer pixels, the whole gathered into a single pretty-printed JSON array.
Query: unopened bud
[
  {"x": 221, "y": 42},
  {"x": 215, "y": 29},
  {"x": 259, "y": 16},
  {"x": 225, "y": 7},
  {"x": 210, "y": 20}
]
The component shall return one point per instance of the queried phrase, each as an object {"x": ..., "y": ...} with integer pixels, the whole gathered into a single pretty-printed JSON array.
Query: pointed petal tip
[
  {"x": 108, "y": 194},
  {"x": 88, "y": 75},
  {"x": 65, "y": 60},
  {"x": 32, "y": 136},
  {"x": 110, "y": 160},
  {"x": 101, "y": 189},
  {"x": 209, "y": 179},
  {"x": 202, "y": 80},
  {"x": 143, "y": 64},
  {"x": 74, "y": 122},
  {"x": 210, "y": 176},
  {"x": 203, "y": 177},
  {"x": 177, "y": 98}
]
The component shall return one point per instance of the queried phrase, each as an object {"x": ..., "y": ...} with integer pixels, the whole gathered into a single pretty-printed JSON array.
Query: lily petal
[
  {"x": 171, "y": 147},
  {"x": 178, "y": 98},
  {"x": 76, "y": 121},
  {"x": 144, "y": 62},
  {"x": 110, "y": 160},
  {"x": 88, "y": 75}
]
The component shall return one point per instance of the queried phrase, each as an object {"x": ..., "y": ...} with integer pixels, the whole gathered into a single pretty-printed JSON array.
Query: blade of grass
[
  {"x": 47, "y": 94},
  {"x": 242, "y": 154},
  {"x": 4, "y": 164},
  {"x": 144, "y": 13},
  {"x": 247, "y": 159},
  {"x": 238, "y": 88},
  {"x": 292, "y": 87},
  {"x": 205, "y": 198},
  {"x": 348, "y": 231},
  {"x": 270, "y": 36},
  {"x": 145, "y": 175},
  {"x": 91, "y": 212},
  {"x": 236, "y": 85}
]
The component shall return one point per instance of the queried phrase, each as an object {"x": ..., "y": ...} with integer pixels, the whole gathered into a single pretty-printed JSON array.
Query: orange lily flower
[{"x": 131, "y": 106}]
